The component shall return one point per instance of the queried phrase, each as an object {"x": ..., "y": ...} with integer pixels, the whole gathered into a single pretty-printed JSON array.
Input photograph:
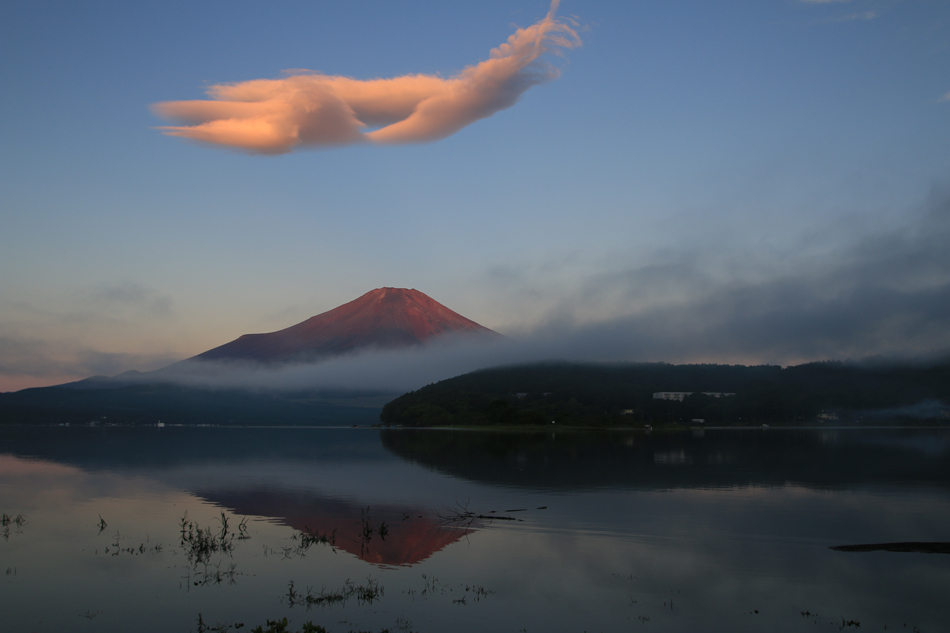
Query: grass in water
[
  {"x": 308, "y": 538},
  {"x": 201, "y": 543},
  {"x": 364, "y": 594},
  {"x": 18, "y": 520},
  {"x": 282, "y": 626}
]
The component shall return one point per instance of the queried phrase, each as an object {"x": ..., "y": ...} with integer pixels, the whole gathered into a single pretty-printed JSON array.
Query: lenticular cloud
[{"x": 274, "y": 116}]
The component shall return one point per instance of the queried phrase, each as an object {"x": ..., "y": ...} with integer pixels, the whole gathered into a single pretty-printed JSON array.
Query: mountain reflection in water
[{"x": 384, "y": 535}]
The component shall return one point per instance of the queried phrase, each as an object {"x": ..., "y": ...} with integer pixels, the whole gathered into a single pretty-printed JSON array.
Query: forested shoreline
[{"x": 622, "y": 394}]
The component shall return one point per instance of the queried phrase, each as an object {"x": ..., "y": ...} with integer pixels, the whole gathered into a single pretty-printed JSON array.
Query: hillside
[
  {"x": 149, "y": 403},
  {"x": 622, "y": 394}
]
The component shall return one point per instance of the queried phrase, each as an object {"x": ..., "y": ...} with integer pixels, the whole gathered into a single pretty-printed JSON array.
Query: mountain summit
[{"x": 382, "y": 318}]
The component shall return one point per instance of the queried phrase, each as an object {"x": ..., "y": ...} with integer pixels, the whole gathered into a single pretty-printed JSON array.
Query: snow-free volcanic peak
[{"x": 382, "y": 318}]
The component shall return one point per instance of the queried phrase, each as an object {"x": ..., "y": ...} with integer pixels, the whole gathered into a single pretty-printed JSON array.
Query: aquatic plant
[
  {"x": 199, "y": 543},
  {"x": 430, "y": 583},
  {"x": 403, "y": 625},
  {"x": 6, "y": 520},
  {"x": 242, "y": 529},
  {"x": 304, "y": 541},
  {"x": 364, "y": 594},
  {"x": 217, "y": 628},
  {"x": 367, "y": 531},
  {"x": 212, "y": 575},
  {"x": 478, "y": 592},
  {"x": 461, "y": 516},
  {"x": 308, "y": 538},
  {"x": 280, "y": 626},
  {"x": 433, "y": 586},
  {"x": 116, "y": 547}
]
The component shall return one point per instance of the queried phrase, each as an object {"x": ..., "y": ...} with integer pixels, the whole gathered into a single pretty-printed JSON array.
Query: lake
[{"x": 143, "y": 529}]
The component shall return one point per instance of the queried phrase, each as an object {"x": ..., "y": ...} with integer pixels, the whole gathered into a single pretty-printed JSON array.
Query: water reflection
[
  {"x": 719, "y": 531},
  {"x": 387, "y": 535},
  {"x": 709, "y": 459},
  {"x": 265, "y": 473}
]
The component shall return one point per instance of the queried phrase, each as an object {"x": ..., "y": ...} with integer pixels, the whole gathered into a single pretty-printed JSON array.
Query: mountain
[
  {"x": 179, "y": 393},
  {"x": 381, "y": 318}
]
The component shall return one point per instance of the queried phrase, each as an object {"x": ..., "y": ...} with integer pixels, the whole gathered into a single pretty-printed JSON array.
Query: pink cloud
[{"x": 303, "y": 109}]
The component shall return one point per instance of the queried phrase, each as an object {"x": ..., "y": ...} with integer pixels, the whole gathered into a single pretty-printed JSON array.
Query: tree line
[{"x": 588, "y": 394}]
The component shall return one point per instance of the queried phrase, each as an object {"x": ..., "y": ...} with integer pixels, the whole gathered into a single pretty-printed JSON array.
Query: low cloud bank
[
  {"x": 395, "y": 370},
  {"x": 274, "y": 116}
]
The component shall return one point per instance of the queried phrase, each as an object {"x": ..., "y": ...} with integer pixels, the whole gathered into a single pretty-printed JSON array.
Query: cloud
[
  {"x": 132, "y": 295},
  {"x": 885, "y": 293},
  {"x": 64, "y": 360},
  {"x": 86, "y": 331},
  {"x": 304, "y": 109},
  {"x": 862, "y": 15},
  {"x": 850, "y": 17},
  {"x": 945, "y": 98}
]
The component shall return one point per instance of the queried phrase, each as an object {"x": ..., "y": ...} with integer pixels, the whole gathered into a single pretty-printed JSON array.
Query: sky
[{"x": 755, "y": 181}]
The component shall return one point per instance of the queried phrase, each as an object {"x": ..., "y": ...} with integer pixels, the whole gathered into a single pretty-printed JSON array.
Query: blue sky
[{"x": 747, "y": 181}]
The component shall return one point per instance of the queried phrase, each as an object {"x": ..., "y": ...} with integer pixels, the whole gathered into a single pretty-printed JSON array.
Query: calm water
[{"x": 472, "y": 531}]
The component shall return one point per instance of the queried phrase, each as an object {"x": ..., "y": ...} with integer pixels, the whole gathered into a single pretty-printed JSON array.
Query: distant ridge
[{"x": 381, "y": 318}]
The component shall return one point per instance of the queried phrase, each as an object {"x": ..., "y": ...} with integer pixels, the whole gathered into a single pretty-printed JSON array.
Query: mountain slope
[
  {"x": 622, "y": 394},
  {"x": 381, "y": 318}
]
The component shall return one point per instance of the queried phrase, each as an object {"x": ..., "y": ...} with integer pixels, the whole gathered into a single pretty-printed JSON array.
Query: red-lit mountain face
[{"x": 382, "y": 318}]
